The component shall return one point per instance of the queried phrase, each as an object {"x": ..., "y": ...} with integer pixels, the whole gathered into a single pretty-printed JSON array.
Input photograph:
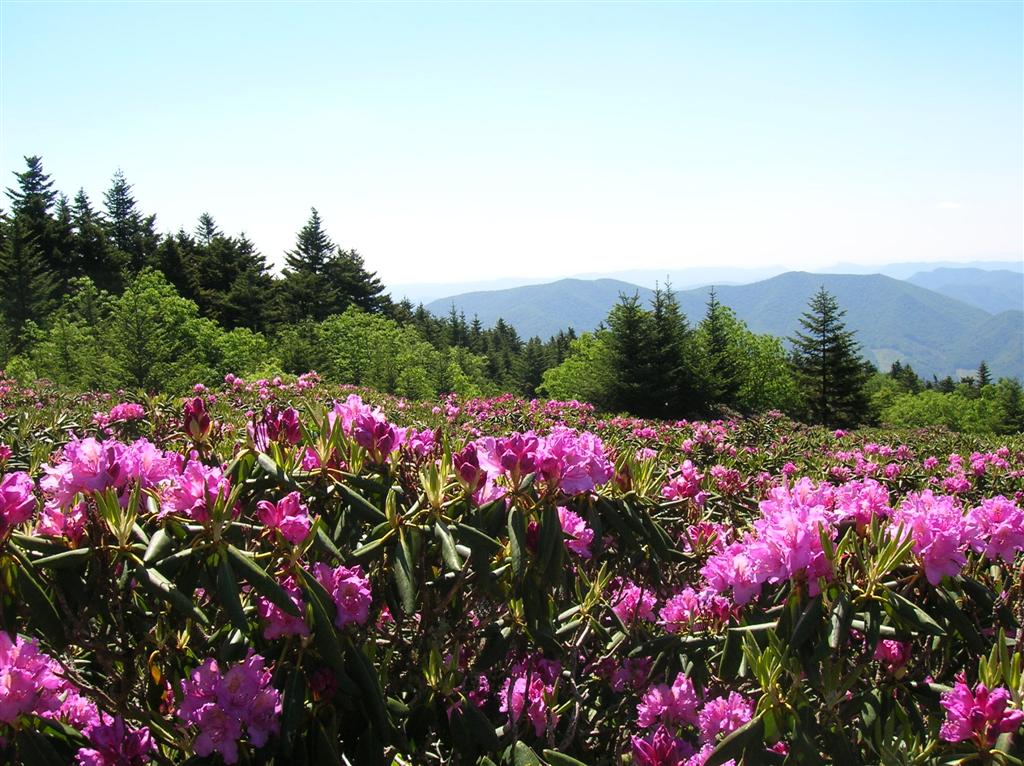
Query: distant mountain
[
  {"x": 909, "y": 268},
  {"x": 893, "y": 319},
  {"x": 993, "y": 291},
  {"x": 543, "y": 309}
]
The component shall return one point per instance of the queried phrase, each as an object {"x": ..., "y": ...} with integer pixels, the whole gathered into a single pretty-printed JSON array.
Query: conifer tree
[
  {"x": 669, "y": 384},
  {"x": 99, "y": 261},
  {"x": 133, "y": 234},
  {"x": 32, "y": 203},
  {"x": 826, "y": 360},
  {"x": 723, "y": 372},
  {"x": 306, "y": 288},
  {"x": 983, "y": 376},
  {"x": 27, "y": 284},
  {"x": 631, "y": 339}
]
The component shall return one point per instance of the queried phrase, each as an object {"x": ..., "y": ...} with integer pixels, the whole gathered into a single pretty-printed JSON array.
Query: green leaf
[
  {"x": 747, "y": 737},
  {"x": 522, "y": 755},
  {"x": 366, "y": 679},
  {"x": 912, "y": 614},
  {"x": 35, "y": 749},
  {"x": 293, "y": 709},
  {"x": 42, "y": 612},
  {"x": 556, "y": 758},
  {"x": 324, "y": 633},
  {"x": 551, "y": 545},
  {"x": 448, "y": 552},
  {"x": 159, "y": 585},
  {"x": 362, "y": 507},
  {"x": 65, "y": 560},
  {"x": 401, "y": 571},
  {"x": 517, "y": 541},
  {"x": 807, "y": 625},
  {"x": 227, "y": 589},
  {"x": 261, "y": 582},
  {"x": 158, "y": 546}
]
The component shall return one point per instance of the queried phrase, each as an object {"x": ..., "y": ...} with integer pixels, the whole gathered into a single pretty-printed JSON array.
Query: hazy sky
[{"x": 469, "y": 141}]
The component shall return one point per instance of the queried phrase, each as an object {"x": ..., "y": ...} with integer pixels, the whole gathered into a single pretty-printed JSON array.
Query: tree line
[{"x": 95, "y": 297}]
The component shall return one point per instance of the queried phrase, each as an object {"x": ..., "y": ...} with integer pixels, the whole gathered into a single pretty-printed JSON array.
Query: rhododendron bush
[{"x": 284, "y": 572}]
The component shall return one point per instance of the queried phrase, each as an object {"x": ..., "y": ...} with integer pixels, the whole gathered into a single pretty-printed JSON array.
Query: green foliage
[{"x": 587, "y": 373}]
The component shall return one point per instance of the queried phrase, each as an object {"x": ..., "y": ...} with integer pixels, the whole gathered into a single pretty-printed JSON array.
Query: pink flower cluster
[
  {"x": 695, "y": 611},
  {"x": 195, "y": 491},
  {"x": 631, "y": 602},
  {"x": 17, "y": 502},
  {"x": 578, "y": 536},
  {"x": 980, "y": 715},
  {"x": 278, "y": 622},
  {"x": 996, "y": 529},
  {"x": 530, "y": 687},
  {"x": 350, "y": 589},
  {"x": 685, "y": 484},
  {"x": 939, "y": 531},
  {"x": 219, "y": 704},
  {"x": 114, "y": 743},
  {"x": 275, "y": 426},
  {"x": 784, "y": 544},
  {"x": 289, "y": 515},
  {"x": 573, "y": 462},
  {"x": 30, "y": 683}
]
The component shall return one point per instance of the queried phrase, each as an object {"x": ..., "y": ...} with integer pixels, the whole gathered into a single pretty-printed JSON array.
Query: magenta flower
[
  {"x": 980, "y": 715},
  {"x": 195, "y": 491},
  {"x": 350, "y": 589},
  {"x": 17, "y": 501},
  {"x": 685, "y": 484},
  {"x": 530, "y": 688},
  {"x": 278, "y": 622},
  {"x": 996, "y": 529},
  {"x": 29, "y": 680},
  {"x": 572, "y": 462},
  {"x": 673, "y": 705},
  {"x": 197, "y": 424},
  {"x": 515, "y": 456},
  {"x": 115, "y": 744},
  {"x": 632, "y": 603},
  {"x": 467, "y": 468},
  {"x": 660, "y": 748},
  {"x": 892, "y": 654},
  {"x": 690, "y": 611},
  {"x": 220, "y": 704},
  {"x": 289, "y": 515},
  {"x": 373, "y": 433},
  {"x": 939, "y": 531},
  {"x": 861, "y": 501},
  {"x": 723, "y": 715},
  {"x": 578, "y": 536}
]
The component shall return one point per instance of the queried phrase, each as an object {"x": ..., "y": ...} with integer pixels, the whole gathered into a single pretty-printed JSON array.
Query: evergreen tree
[
  {"x": 983, "y": 376},
  {"x": 669, "y": 383},
  {"x": 723, "y": 370},
  {"x": 32, "y": 203},
  {"x": 27, "y": 284},
  {"x": 206, "y": 230},
  {"x": 98, "y": 259},
  {"x": 353, "y": 284},
  {"x": 828, "y": 366},
  {"x": 630, "y": 341},
  {"x": 306, "y": 288},
  {"x": 532, "y": 364},
  {"x": 130, "y": 232}
]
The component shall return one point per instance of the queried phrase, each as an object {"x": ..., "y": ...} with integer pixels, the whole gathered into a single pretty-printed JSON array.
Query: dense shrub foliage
[{"x": 293, "y": 573}]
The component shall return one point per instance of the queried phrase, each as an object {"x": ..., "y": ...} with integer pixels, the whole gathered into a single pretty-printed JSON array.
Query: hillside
[
  {"x": 993, "y": 291},
  {"x": 894, "y": 319}
]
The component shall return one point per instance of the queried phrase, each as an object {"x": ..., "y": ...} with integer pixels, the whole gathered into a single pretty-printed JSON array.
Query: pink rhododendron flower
[
  {"x": 670, "y": 705},
  {"x": 17, "y": 501},
  {"x": 691, "y": 611},
  {"x": 980, "y": 715},
  {"x": 530, "y": 688},
  {"x": 861, "y": 501},
  {"x": 631, "y": 603},
  {"x": 113, "y": 743},
  {"x": 29, "y": 680},
  {"x": 195, "y": 491},
  {"x": 278, "y": 622},
  {"x": 197, "y": 424},
  {"x": 723, "y": 715},
  {"x": 220, "y": 704},
  {"x": 893, "y": 654},
  {"x": 996, "y": 529},
  {"x": 578, "y": 536},
  {"x": 939, "y": 531},
  {"x": 375, "y": 434},
  {"x": 514, "y": 456},
  {"x": 660, "y": 748},
  {"x": 684, "y": 484},
  {"x": 573, "y": 462},
  {"x": 289, "y": 514},
  {"x": 350, "y": 589}
]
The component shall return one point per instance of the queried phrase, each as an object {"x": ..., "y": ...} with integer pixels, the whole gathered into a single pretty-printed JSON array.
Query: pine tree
[
  {"x": 306, "y": 289},
  {"x": 669, "y": 384},
  {"x": 983, "y": 376},
  {"x": 531, "y": 366},
  {"x": 826, "y": 360},
  {"x": 98, "y": 260},
  {"x": 723, "y": 371},
  {"x": 206, "y": 230},
  {"x": 32, "y": 203},
  {"x": 353, "y": 284},
  {"x": 27, "y": 284},
  {"x": 631, "y": 339},
  {"x": 133, "y": 234}
]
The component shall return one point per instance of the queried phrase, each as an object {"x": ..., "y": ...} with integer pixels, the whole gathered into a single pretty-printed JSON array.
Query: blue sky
[{"x": 452, "y": 142}]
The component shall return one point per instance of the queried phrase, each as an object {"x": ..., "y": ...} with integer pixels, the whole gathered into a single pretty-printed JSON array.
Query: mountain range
[{"x": 943, "y": 321}]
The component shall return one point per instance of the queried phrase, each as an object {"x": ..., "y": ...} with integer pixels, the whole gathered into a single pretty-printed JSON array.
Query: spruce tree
[
  {"x": 983, "y": 376},
  {"x": 826, "y": 360},
  {"x": 723, "y": 370},
  {"x": 133, "y": 234},
  {"x": 631, "y": 339},
  {"x": 99, "y": 261},
  {"x": 670, "y": 384},
  {"x": 353, "y": 284},
  {"x": 306, "y": 289},
  {"x": 32, "y": 204},
  {"x": 27, "y": 284}
]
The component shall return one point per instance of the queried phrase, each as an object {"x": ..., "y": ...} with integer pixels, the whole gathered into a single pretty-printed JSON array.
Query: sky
[{"x": 469, "y": 141}]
